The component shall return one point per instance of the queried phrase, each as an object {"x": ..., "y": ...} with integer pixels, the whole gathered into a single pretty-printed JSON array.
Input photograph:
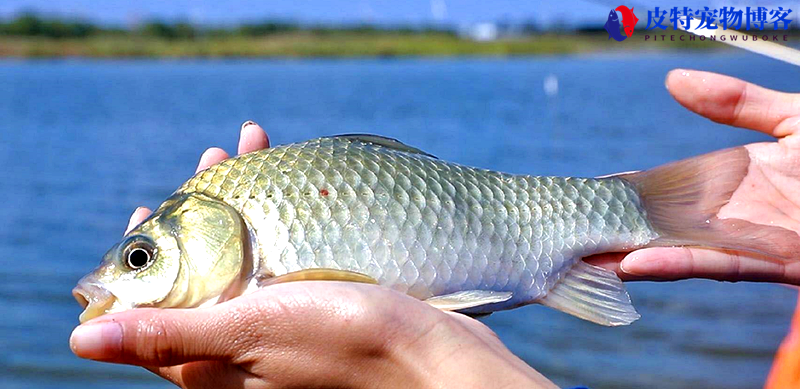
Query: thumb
[
  {"x": 154, "y": 337},
  {"x": 731, "y": 101},
  {"x": 676, "y": 263}
]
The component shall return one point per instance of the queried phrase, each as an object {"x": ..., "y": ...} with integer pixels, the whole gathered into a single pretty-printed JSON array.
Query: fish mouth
[{"x": 95, "y": 300}]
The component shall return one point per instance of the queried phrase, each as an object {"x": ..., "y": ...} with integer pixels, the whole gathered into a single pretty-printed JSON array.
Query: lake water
[{"x": 82, "y": 143}]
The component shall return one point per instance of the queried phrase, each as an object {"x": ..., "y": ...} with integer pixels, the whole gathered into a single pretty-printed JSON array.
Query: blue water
[{"x": 82, "y": 143}]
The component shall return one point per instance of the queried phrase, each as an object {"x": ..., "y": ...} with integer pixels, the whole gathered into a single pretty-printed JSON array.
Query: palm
[
  {"x": 325, "y": 334},
  {"x": 770, "y": 192},
  {"x": 768, "y": 195}
]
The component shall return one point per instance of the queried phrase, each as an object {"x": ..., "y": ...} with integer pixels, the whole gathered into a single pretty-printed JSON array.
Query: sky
[
  {"x": 458, "y": 12},
  {"x": 375, "y": 11}
]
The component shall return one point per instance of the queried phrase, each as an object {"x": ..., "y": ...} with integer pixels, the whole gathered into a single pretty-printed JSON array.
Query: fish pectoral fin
[
  {"x": 468, "y": 299},
  {"x": 319, "y": 275},
  {"x": 594, "y": 294}
]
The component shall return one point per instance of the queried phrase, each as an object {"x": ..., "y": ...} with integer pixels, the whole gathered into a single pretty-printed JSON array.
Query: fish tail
[{"x": 682, "y": 200}]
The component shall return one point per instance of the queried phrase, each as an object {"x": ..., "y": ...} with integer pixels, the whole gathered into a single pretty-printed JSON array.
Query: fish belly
[{"x": 420, "y": 225}]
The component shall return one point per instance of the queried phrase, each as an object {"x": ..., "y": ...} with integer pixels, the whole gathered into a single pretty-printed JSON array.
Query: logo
[
  {"x": 702, "y": 23},
  {"x": 629, "y": 21}
]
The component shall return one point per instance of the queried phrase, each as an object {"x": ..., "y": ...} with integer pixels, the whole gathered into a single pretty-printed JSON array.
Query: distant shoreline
[
  {"x": 31, "y": 36},
  {"x": 344, "y": 45}
]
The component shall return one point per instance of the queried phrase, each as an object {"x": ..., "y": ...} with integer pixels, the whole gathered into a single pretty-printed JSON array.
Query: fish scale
[{"x": 417, "y": 224}]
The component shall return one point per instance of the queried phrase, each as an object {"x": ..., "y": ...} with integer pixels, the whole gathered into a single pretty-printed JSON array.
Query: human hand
[
  {"x": 769, "y": 193},
  {"x": 308, "y": 334},
  {"x": 305, "y": 334}
]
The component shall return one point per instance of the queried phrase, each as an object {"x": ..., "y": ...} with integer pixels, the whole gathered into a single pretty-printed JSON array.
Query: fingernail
[
  {"x": 682, "y": 72},
  {"x": 139, "y": 210},
  {"x": 633, "y": 265},
  {"x": 134, "y": 220},
  {"x": 666, "y": 79},
  {"x": 204, "y": 163},
  {"x": 96, "y": 341},
  {"x": 788, "y": 127},
  {"x": 247, "y": 123}
]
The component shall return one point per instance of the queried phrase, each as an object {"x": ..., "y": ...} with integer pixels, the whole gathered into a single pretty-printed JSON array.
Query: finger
[
  {"x": 295, "y": 332},
  {"x": 276, "y": 317},
  {"x": 787, "y": 127},
  {"x": 169, "y": 373},
  {"x": 731, "y": 101},
  {"x": 210, "y": 157},
  {"x": 674, "y": 263},
  {"x": 203, "y": 374},
  {"x": 154, "y": 337},
  {"x": 610, "y": 261},
  {"x": 252, "y": 138},
  {"x": 137, "y": 217}
]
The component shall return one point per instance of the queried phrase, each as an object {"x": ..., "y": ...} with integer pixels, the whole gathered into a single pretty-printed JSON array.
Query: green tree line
[{"x": 29, "y": 24}]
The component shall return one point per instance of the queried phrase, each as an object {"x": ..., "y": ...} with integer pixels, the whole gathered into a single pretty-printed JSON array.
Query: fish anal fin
[
  {"x": 594, "y": 294},
  {"x": 383, "y": 141},
  {"x": 318, "y": 275},
  {"x": 468, "y": 299}
]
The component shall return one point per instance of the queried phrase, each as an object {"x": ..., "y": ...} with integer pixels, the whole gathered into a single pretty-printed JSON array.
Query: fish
[
  {"x": 629, "y": 19},
  {"x": 612, "y": 26},
  {"x": 370, "y": 209}
]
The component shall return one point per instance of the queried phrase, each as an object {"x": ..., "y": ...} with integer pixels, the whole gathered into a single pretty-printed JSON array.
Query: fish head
[
  {"x": 612, "y": 16},
  {"x": 191, "y": 250},
  {"x": 140, "y": 270}
]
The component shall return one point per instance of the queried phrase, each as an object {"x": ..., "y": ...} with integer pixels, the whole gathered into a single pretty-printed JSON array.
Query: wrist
[{"x": 452, "y": 354}]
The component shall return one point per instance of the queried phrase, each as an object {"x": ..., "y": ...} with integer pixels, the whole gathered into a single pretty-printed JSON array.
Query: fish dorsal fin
[{"x": 383, "y": 141}]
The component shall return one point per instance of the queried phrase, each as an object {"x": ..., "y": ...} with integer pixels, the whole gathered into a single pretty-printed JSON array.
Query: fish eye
[{"x": 139, "y": 254}]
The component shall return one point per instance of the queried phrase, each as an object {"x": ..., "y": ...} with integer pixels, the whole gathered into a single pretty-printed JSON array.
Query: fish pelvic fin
[
  {"x": 468, "y": 299},
  {"x": 594, "y": 294},
  {"x": 319, "y": 274},
  {"x": 682, "y": 200}
]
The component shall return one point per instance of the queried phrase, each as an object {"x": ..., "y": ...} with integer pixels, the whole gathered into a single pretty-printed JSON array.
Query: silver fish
[{"x": 370, "y": 209}]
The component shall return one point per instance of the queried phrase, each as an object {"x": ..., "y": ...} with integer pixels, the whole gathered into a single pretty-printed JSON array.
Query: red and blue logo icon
[{"x": 629, "y": 21}]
